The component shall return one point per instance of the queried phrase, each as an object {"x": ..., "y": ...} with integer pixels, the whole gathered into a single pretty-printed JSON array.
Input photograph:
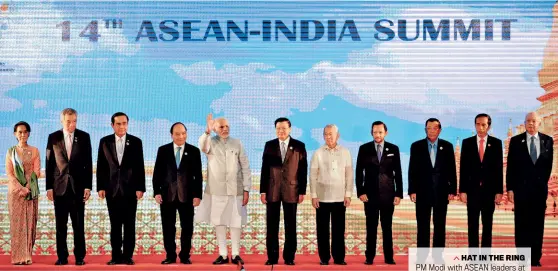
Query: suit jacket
[
  {"x": 490, "y": 171},
  {"x": 381, "y": 180},
  {"x": 432, "y": 184},
  {"x": 183, "y": 183},
  {"x": 125, "y": 178},
  {"x": 529, "y": 181},
  {"x": 284, "y": 180},
  {"x": 77, "y": 170}
]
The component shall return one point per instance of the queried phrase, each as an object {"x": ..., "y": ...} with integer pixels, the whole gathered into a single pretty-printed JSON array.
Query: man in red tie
[{"x": 481, "y": 180}]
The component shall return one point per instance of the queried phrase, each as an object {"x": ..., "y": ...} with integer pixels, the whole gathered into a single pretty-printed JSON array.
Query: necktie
[
  {"x": 120, "y": 151},
  {"x": 379, "y": 152},
  {"x": 481, "y": 149},
  {"x": 177, "y": 157},
  {"x": 69, "y": 145},
  {"x": 283, "y": 151},
  {"x": 533, "y": 151},
  {"x": 433, "y": 154}
]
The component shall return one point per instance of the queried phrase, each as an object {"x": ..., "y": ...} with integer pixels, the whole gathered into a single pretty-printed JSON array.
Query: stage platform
[{"x": 203, "y": 262}]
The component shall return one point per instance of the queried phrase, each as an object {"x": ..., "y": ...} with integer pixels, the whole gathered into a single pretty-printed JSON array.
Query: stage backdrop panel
[{"x": 316, "y": 62}]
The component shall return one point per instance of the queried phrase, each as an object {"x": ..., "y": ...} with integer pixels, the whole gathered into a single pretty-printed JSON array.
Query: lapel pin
[
  {"x": 291, "y": 147},
  {"x": 127, "y": 143},
  {"x": 522, "y": 140},
  {"x": 75, "y": 139},
  {"x": 488, "y": 145},
  {"x": 387, "y": 149},
  {"x": 185, "y": 153},
  {"x": 441, "y": 148}
]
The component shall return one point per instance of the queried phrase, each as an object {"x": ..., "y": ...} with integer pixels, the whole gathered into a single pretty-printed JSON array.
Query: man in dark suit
[
  {"x": 530, "y": 159},
  {"x": 69, "y": 175},
  {"x": 380, "y": 186},
  {"x": 121, "y": 178},
  {"x": 432, "y": 183},
  {"x": 283, "y": 181},
  {"x": 177, "y": 186},
  {"x": 481, "y": 180}
]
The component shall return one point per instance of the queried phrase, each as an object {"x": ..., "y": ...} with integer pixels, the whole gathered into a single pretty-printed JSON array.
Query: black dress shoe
[
  {"x": 340, "y": 263},
  {"x": 369, "y": 262},
  {"x": 390, "y": 261},
  {"x": 113, "y": 262},
  {"x": 237, "y": 260},
  {"x": 185, "y": 261},
  {"x": 268, "y": 262},
  {"x": 289, "y": 263},
  {"x": 168, "y": 261},
  {"x": 80, "y": 262},
  {"x": 324, "y": 263},
  {"x": 537, "y": 264},
  {"x": 61, "y": 262},
  {"x": 221, "y": 260},
  {"x": 129, "y": 262}
]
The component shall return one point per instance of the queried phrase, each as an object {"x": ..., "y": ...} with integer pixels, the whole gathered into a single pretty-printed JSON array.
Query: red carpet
[{"x": 203, "y": 262}]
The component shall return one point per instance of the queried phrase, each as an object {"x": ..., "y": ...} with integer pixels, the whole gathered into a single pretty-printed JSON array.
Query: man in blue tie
[
  {"x": 432, "y": 183},
  {"x": 528, "y": 171},
  {"x": 177, "y": 186}
]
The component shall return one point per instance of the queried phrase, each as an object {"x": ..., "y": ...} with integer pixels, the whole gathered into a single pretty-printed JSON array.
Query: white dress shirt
[
  {"x": 537, "y": 143},
  {"x": 181, "y": 150},
  {"x": 68, "y": 141},
  {"x": 120, "y": 145},
  {"x": 485, "y": 142},
  {"x": 331, "y": 174}
]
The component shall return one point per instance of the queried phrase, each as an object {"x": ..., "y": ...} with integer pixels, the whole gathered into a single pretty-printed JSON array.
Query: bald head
[
  {"x": 532, "y": 122},
  {"x": 221, "y": 127}
]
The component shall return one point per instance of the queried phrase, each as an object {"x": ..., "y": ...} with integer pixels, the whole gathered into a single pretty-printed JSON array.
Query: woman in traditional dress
[{"x": 23, "y": 167}]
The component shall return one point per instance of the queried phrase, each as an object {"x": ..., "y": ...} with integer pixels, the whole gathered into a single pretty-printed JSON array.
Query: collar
[
  {"x": 430, "y": 142},
  {"x": 479, "y": 138},
  {"x": 286, "y": 141},
  {"x": 536, "y": 136},
  {"x": 327, "y": 148},
  {"x": 176, "y": 146},
  {"x": 381, "y": 144},
  {"x": 116, "y": 138},
  {"x": 66, "y": 133}
]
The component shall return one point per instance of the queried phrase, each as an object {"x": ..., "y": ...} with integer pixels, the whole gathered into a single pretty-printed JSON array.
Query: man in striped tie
[{"x": 530, "y": 159}]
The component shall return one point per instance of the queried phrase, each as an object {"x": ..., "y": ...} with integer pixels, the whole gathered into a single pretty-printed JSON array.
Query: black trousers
[
  {"x": 385, "y": 211},
  {"x": 122, "y": 213},
  {"x": 273, "y": 214},
  {"x": 424, "y": 210},
  {"x": 72, "y": 205},
  {"x": 168, "y": 217},
  {"x": 480, "y": 204},
  {"x": 334, "y": 211},
  {"x": 529, "y": 226}
]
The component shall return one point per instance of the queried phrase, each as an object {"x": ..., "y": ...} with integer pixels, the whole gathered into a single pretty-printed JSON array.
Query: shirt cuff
[
  {"x": 314, "y": 195},
  {"x": 348, "y": 194}
]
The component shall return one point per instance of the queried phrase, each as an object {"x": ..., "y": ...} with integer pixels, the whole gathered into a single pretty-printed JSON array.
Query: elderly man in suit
[
  {"x": 227, "y": 189},
  {"x": 69, "y": 176},
  {"x": 331, "y": 186},
  {"x": 481, "y": 181},
  {"x": 283, "y": 182},
  {"x": 177, "y": 186},
  {"x": 432, "y": 183},
  {"x": 121, "y": 179},
  {"x": 380, "y": 186},
  {"x": 530, "y": 159}
]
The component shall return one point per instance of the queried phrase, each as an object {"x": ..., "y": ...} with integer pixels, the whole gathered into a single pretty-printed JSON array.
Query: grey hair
[
  {"x": 67, "y": 111},
  {"x": 537, "y": 116},
  {"x": 333, "y": 126}
]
